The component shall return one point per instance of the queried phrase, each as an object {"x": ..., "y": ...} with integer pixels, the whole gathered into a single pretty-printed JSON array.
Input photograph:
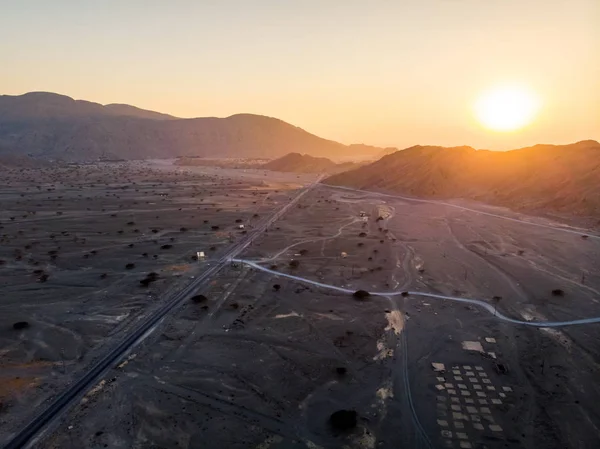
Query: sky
[{"x": 388, "y": 73}]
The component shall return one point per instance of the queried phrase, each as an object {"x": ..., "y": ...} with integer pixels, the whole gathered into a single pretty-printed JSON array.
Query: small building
[{"x": 200, "y": 254}]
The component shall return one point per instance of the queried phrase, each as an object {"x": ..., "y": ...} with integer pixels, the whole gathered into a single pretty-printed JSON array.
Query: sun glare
[{"x": 506, "y": 108}]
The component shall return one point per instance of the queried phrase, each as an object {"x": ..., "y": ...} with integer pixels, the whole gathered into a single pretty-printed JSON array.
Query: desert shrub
[
  {"x": 150, "y": 277},
  {"x": 361, "y": 294},
  {"x": 276, "y": 287},
  {"x": 343, "y": 420},
  {"x": 558, "y": 292},
  {"x": 294, "y": 263},
  {"x": 167, "y": 246},
  {"x": 20, "y": 325},
  {"x": 129, "y": 266}
]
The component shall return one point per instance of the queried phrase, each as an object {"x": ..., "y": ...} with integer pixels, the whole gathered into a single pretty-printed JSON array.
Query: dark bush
[
  {"x": 129, "y": 266},
  {"x": 276, "y": 287},
  {"x": 150, "y": 277},
  {"x": 294, "y": 263},
  {"x": 167, "y": 246},
  {"x": 361, "y": 294},
  {"x": 362, "y": 234},
  {"x": 20, "y": 325},
  {"x": 343, "y": 419},
  {"x": 404, "y": 294},
  {"x": 199, "y": 298},
  {"x": 558, "y": 292}
]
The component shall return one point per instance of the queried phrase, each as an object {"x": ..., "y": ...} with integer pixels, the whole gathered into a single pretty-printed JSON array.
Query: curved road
[{"x": 482, "y": 304}]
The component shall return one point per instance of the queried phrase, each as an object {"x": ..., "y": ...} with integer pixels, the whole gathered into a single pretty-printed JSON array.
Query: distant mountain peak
[{"x": 54, "y": 126}]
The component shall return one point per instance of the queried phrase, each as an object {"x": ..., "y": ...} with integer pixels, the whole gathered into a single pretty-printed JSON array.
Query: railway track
[{"x": 25, "y": 437}]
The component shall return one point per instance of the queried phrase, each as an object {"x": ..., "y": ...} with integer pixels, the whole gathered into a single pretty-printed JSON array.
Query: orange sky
[{"x": 386, "y": 73}]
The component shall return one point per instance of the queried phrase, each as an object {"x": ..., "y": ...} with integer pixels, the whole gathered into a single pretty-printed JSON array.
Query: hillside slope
[
  {"x": 57, "y": 127},
  {"x": 563, "y": 178},
  {"x": 303, "y": 163}
]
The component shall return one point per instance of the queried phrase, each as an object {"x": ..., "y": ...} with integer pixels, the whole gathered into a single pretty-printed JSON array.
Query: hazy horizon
[{"x": 385, "y": 74}]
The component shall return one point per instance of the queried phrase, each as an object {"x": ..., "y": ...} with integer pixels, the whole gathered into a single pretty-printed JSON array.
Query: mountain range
[
  {"x": 561, "y": 178},
  {"x": 52, "y": 126}
]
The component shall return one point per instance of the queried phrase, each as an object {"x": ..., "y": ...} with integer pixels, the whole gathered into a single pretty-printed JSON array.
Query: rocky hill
[
  {"x": 303, "y": 163},
  {"x": 561, "y": 178},
  {"x": 52, "y": 126}
]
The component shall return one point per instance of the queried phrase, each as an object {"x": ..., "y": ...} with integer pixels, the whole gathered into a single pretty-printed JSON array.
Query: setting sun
[{"x": 506, "y": 108}]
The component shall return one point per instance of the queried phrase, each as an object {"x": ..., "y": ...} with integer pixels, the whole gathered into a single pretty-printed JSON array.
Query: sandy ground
[
  {"x": 265, "y": 360},
  {"x": 75, "y": 244}
]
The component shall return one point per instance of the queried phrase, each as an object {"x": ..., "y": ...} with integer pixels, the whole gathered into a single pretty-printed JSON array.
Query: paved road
[{"x": 70, "y": 396}]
